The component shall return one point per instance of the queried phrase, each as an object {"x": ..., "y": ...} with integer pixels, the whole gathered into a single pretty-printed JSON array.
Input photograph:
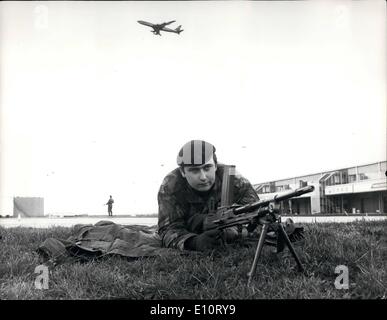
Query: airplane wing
[
  {"x": 166, "y": 23},
  {"x": 146, "y": 23}
]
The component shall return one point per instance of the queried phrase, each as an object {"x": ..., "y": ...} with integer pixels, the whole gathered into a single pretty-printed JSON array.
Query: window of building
[
  {"x": 336, "y": 179},
  {"x": 344, "y": 176},
  {"x": 351, "y": 178},
  {"x": 282, "y": 187},
  {"x": 266, "y": 189},
  {"x": 363, "y": 176},
  {"x": 303, "y": 183},
  {"x": 369, "y": 172}
]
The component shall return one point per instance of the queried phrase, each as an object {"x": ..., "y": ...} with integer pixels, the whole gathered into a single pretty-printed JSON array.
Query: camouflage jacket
[{"x": 178, "y": 203}]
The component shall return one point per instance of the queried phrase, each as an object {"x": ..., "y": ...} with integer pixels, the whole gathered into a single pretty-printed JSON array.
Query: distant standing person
[{"x": 110, "y": 206}]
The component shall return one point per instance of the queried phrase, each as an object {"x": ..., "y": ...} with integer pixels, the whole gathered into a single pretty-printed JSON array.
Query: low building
[{"x": 360, "y": 189}]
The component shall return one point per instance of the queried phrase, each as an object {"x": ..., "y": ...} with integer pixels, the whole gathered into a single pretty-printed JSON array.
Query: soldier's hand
[
  {"x": 208, "y": 221},
  {"x": 230, "y": 234},
  {"x": 205, "y": 241}
]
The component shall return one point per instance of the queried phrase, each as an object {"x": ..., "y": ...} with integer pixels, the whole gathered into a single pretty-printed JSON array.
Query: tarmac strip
[{"x": 69, "y": 222}]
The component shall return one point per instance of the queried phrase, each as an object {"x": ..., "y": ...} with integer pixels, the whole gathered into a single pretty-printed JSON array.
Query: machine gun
[{"x": 265, "y": 212}]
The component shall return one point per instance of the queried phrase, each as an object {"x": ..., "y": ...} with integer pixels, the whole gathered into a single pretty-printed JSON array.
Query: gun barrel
[
  {"x": 277, "y": 198},
  {"x": 295, "y": 193}
]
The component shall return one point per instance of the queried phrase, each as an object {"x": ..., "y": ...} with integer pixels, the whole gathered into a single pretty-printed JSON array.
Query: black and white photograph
[{"x": 207, "y": 151}]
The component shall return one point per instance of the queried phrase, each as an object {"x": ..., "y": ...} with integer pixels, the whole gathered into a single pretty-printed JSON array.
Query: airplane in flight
[{"x": 161, "y": 27}]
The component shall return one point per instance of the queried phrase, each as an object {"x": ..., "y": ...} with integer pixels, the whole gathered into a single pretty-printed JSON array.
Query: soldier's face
[{"x": 200, "y": 178}]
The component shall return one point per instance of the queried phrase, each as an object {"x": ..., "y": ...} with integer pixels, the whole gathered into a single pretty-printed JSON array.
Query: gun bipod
[{"x": 281, "y": 236}]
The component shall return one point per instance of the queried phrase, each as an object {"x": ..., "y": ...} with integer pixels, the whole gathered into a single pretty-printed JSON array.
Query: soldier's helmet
[{"x": 195, "y": 153}]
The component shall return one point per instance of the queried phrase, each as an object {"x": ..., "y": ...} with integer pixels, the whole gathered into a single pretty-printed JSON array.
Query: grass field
[{"x": 360, "y": 246}]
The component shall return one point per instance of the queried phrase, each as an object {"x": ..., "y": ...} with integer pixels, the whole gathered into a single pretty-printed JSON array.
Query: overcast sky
[{"x": 93, "y": 103}]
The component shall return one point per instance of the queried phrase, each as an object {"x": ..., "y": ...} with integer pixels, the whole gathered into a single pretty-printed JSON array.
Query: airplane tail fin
[{"x": 178, "y": 29}]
